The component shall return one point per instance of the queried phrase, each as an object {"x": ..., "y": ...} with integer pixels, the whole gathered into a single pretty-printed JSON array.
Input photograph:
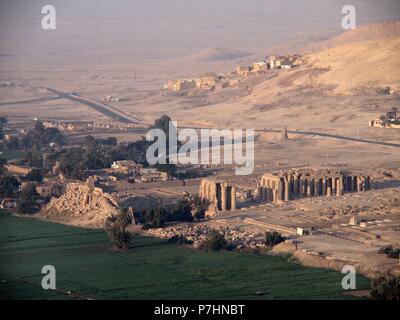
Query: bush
[
  {"x": 181, "y": 211},
  {"x": 34, "y": 175},
  {"x": 386, "y": 289},
  {"x": 115, "y": 228},
  {"x": 155, "y": 218},
  {"x": 8, "y": 186},
  {"x": 390, "y": 252},
  {"x": 273, "y": 238},
  {"x": 215, "y": 242},
  {"x": 26, "y": 201},
  {"x": 179, "y": 240}
]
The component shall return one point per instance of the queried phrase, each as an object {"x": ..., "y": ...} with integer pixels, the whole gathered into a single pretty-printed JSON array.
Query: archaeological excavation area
[{"x": 330, "y": 217}]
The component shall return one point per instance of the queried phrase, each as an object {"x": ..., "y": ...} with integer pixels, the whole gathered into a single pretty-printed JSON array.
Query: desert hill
[
  {"x": 219, "y": 54},
  {"x": 373, "y": 63},
  {"x": 367, "y": 32}
]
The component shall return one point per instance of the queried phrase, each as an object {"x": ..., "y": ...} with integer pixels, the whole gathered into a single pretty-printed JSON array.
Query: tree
[
  {"x": 386, "y": 289},
  {"x": 181, "y": 211},
  {"x": 3, "y": 121},
  {"x": 26, "y": 201},
  {"x": 8, "y": 186},
  {"x": 215, "y": 241},
  {"x": 155, "y": 217},
  {"x": 34, "y": 175},
  {"x": 273, "y": 238},
  {"x": 34, "y": 158},
  {"x": 3, "y": 168},
  {"x": 115, "y": 228}
]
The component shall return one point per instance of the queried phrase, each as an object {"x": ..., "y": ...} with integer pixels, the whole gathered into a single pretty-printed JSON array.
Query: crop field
[{"x": 87, "y": 267}]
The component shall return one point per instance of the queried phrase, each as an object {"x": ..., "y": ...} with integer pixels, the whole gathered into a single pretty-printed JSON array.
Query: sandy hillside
[
  {"x": 371, "y": 31},
  {"x": 361, "y": 64}
]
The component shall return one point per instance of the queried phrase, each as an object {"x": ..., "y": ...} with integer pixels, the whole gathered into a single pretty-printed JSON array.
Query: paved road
[
  {"x": 101, "y": 107},
  {"x": 114, "y": 113},
  {"x": 314, "y": 133}
]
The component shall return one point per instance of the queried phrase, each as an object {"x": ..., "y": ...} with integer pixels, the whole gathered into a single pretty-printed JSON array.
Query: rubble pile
[
  {"x": 89, "y": 204},
  {"x": 197, "y": 234}
]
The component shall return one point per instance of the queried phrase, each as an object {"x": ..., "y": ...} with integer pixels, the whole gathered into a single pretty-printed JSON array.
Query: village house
[
  {"x": 181, "y": 84},
  {"x": 125, "y": 167},
  {"x": 206, "y": 80},
  {"x": 390, "y": 120},
  {"x": 152, "y": 175},
  {"x": 259, "y": 67},
  {"x": 282, "y": 62},
  {"x": 244, "y": 71},
  {"x": 111, "y": 99}
]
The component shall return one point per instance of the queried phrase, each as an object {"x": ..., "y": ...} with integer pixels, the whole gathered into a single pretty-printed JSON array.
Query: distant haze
[{"x": 103, "y": 31}]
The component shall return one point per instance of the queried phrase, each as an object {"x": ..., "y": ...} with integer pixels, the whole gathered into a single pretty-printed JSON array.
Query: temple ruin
[
  {"x": 219, "y": 195},
  {"x": 274, "y": 187},
  {"x": 90, "y": 205}
]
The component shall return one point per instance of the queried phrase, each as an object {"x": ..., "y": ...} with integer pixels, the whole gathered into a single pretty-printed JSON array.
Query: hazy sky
[
  {"x": 303, "y": 9},
  {"x": 172, "y": 27}
]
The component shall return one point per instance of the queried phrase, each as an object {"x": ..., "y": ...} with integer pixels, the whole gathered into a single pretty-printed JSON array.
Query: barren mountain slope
[{"x": 374, "y": 63}]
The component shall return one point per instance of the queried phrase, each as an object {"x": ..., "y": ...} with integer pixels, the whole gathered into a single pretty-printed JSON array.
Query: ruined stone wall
[
  {"x": 217, "y": 195},
  {"x": 309, "y": 183},
  {"x": 83, "y": 200}
]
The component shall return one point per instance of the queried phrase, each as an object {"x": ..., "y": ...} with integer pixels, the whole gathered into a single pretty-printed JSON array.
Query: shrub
[
  {"x": 273, "y": 238},
  {"x": 155, "y": 217},
  {"x": 115, "y": 228},
  {"x": 390, "y": 252},
  {"x": 34, "y": 175},
  {"x": 26, "y": 201},
  {"x": 215, "y": 241},
  {"x": 386, "y": 289},
  {"x": 179, "y": 240},
  {"x": 181, "y": 211}
]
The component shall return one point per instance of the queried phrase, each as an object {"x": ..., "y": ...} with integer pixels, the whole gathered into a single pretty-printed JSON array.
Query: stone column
[
  {"x": 341, "y": 186},
  {"x": 287, "y": 191},
  {"x": 305, "y": 186},
  {"x": 333, "y": 185},
  {"x": 316, "y": 187},
  {"x": 280, "y": 189},
  {"x": 309, "y": 182},
  {"x": 296, "y": 185},
  {"x": 266, "y": 194},
  {"x": 324, "y": 187},
  {"x": 233, "y": 198},
  {"x": 223, "y": 196},
  {"x": 260, "y": 192}
]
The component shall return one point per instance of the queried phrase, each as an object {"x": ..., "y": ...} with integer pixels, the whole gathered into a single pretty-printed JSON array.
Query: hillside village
[{"x": 212, "y": 81}]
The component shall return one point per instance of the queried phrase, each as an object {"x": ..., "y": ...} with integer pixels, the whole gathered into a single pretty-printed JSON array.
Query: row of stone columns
[
  {"x": 221, "y": 196},
  {"x": 274, "y": 188}
]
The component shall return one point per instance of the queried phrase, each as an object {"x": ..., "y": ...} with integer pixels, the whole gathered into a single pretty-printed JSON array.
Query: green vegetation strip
[{"x": 87, "y": 267}]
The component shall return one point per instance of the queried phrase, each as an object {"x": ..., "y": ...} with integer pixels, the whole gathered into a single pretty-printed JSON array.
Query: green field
[{"x": 154, "y": 269}]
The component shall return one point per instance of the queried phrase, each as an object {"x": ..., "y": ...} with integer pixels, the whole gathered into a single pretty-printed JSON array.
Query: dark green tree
[
  {"x": 273, "y": 238},
  {"x": 386, "y": 289},
  {"x": 34, "y": 175},
  {"x": 26, "y": 201},
  {"x": 8, "y": 186},
  {"x": 215, "y": 241},
  {"x": 115, "y": 228}
]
